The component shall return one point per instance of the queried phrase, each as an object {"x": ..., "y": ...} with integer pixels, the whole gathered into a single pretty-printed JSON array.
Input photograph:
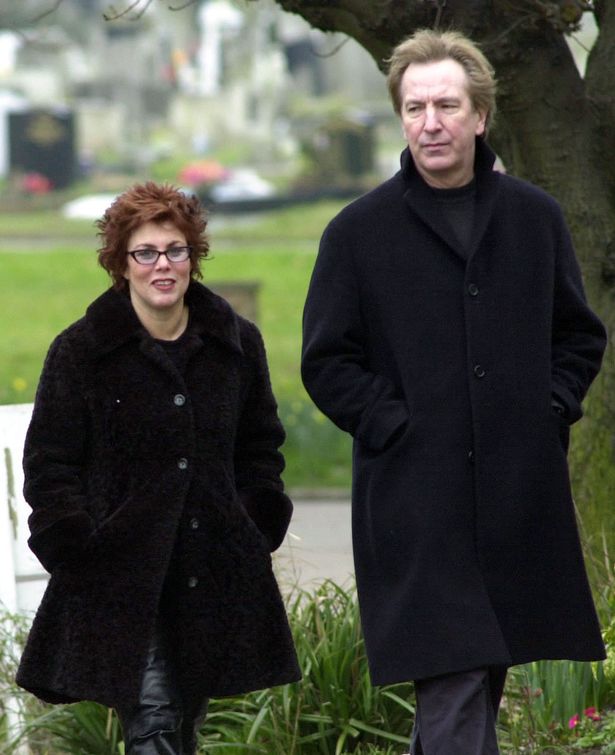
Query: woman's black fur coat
[{"x": 137, "y": 474}]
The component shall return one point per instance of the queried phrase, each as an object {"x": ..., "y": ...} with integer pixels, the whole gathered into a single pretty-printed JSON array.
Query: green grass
[
  {"x": 41, "y": 294},
  {"x": 46, "y": 287},
  {"x": 301, "y": 223},
  {"x": 44, "y": 292},
  {"x": 42, "y": 225}
]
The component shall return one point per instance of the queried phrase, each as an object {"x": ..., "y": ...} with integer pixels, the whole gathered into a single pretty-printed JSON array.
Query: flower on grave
[{"x": 35, "y": 183}]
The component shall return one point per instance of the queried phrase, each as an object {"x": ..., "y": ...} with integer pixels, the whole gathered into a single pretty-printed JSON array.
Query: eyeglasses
[{"x": 151, "y": 256}]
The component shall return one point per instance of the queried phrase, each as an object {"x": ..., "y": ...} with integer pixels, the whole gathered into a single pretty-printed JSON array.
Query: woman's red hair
[{"x": 150, "y": 203}]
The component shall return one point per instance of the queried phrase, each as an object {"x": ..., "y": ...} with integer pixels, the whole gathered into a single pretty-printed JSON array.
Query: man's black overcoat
[
  {"x": 131, "y": 467},
  {"x": 465, "y": 539}
]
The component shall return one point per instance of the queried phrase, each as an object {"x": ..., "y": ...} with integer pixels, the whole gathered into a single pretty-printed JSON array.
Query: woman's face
[{"x": 158, "y": 288}]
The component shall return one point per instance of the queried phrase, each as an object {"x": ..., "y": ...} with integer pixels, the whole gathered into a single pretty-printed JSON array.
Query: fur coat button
[
  {"x": 193, "y": 582},
  {"x": 179, "y": 399},
  {"x": 182, "y": 463}
]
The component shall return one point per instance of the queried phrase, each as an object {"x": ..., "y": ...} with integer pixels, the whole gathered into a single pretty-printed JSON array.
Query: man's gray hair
[{"x": 429, "y": 46}]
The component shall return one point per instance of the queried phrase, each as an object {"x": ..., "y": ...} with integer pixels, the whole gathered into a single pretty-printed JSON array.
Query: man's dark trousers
[{"x": 456, "y": 713}]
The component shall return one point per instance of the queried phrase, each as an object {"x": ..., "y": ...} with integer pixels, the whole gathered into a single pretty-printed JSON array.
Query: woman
[{"x": 153, "y": 473}]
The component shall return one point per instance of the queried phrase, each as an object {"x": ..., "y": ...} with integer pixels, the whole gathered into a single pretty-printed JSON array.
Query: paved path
[{"x": 318, "y": 545}]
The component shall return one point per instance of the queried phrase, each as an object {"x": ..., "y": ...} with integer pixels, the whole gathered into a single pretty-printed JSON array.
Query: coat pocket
[{"x": 561, "y": 428}]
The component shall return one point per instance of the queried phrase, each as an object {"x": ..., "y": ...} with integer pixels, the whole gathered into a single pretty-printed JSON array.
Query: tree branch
[
  {"x": 120, "y": 14},
  {"x": 334, "y": 51},
  {"x": 48, "y": 12},
  {"x": 182, "y": 7}
]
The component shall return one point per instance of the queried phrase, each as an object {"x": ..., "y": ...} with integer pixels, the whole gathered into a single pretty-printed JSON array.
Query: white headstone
[{"x": 22, "y": 578}]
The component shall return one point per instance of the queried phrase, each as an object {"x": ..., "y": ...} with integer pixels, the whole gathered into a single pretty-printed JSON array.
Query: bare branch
[
  {"x": 440, "y": 4},
  {"x": 581, "y": 45},
  {"x": 48, "y": 12},
  {"x": 115, "y": 15},
  {"x": 332, "y": 52},
  {"x": 181, "y": 7},
  {"x": 492, "y": 43}
]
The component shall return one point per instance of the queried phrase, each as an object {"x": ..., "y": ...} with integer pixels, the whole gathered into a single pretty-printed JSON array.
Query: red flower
[
  {"x": 592, "y": 713},
  {"x": 35, "y": 183},
  {"x": 574, "y": 721}
]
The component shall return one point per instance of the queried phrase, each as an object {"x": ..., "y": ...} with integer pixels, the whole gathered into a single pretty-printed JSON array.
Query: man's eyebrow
[{"x": 438, "y": 98}]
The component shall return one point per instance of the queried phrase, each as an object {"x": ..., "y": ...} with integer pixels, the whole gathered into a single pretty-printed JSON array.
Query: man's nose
[{"x": 432, "y": 120}]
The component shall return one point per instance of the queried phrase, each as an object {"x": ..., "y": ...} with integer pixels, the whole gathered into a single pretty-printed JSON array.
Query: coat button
[
  {"x": 479, "y": 371},
  {"x": 471, "y": 456},
  {"x": 193, "y": 582},
  {"x": 194, "y": 523},
  {"x": 473, "y": 289},
  {"x": 182, "y": 463},
  {"x": 179, "y": 399}
]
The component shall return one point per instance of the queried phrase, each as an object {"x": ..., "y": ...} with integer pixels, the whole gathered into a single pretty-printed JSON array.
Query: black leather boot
[
  {"x": 192, "y": 722},
  {"x": 154, "y": 725}
]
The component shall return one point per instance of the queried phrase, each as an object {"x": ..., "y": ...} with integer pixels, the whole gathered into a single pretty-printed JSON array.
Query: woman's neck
[{"x": 163, "y": 324}]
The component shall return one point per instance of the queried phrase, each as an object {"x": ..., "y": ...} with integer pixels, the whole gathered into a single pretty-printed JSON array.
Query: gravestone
[
  {"x": 43, "y": 142},
  {"x": 241, "y": 295}
]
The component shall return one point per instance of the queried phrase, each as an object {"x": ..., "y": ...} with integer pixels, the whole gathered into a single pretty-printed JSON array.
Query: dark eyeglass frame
[{"x": 184, "y": 249}]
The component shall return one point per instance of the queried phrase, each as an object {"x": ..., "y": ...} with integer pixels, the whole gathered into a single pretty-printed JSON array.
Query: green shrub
[
  {"x": 84, "y": 728},
  {"x": 13, "y": 629},
  {"x": 334, "y": 710},
  {"x": 317, "y": 453}
]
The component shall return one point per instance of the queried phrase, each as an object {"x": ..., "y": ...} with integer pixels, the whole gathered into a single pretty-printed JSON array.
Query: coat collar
[
  {"x": 419, "y": 197},
  {"x": 113, "y": 321}
]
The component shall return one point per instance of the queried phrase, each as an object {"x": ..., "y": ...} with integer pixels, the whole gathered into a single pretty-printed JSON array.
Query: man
[{"x": 447, "y": 330}]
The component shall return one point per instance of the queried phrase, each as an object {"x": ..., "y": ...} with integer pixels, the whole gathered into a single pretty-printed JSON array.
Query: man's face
[{"x": 440, "y": 123}]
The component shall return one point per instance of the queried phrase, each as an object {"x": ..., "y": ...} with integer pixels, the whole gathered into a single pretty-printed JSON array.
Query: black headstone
[{"x": 43, "y": 141}]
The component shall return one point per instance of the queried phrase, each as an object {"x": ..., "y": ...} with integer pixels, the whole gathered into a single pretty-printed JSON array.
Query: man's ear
[{"x": 482, "y": 123}]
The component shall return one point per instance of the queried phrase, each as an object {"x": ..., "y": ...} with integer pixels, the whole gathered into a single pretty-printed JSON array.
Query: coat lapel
[
  {"x": 213, "y": 316},
  {"x": 420, "y": 200},
  {"x": 487, "y": 190},
  {"x": 113, "y": 322}
]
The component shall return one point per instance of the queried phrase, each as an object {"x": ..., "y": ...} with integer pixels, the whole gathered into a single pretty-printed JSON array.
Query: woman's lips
[{"x": 163, "y": 284}]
